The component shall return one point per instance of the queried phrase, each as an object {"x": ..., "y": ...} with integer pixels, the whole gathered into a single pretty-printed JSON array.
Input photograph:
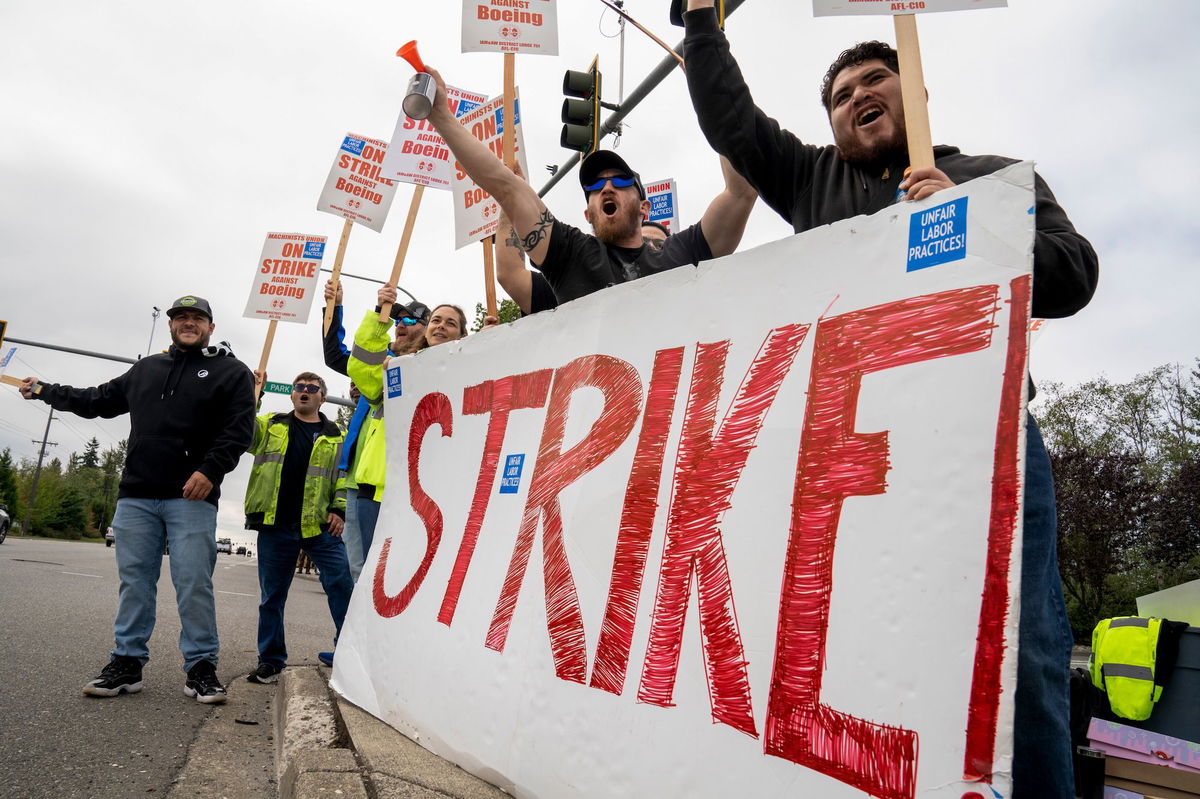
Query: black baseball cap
[
  {"x": 597, "y": 162},
  {"x": 415, "y": 309},
  {"x": 190, "y": 302}
]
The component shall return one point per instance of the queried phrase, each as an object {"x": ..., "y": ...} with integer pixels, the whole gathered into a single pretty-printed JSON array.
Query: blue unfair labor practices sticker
[
  {"x": 937, "y": 235},
  {"x": 661, "y": 207},
  {"x": 353, "y": 145},
  {"x": 314, "y": 249},
  {"x": 393, "y": 382},
  {"x": 510, "y": 481}
]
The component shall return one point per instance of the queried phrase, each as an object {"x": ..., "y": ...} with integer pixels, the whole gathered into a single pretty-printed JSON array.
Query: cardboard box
[
  {"x": 1132, "y": 788},
  {"x": 1152, "y": 780},
  {"x": 1144, "y": 746}
]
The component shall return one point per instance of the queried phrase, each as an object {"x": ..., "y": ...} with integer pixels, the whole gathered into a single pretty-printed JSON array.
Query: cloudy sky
[{"x": 148, "y": 147}]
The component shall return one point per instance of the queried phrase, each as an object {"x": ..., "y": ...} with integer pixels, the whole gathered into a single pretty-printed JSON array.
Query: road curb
[
  {"x": 311, "y": 759},
  {"x": 328, "y": 747}
]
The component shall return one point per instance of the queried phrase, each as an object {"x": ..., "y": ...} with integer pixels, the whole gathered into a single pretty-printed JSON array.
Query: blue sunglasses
[{"x": 618, "y": 181}]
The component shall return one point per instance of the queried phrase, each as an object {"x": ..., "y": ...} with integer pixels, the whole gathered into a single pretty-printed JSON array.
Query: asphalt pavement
[{"x": 57, "y": 602}]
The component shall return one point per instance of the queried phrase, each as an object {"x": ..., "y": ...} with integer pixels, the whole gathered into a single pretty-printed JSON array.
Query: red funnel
[{"x": 409, "y": 53}]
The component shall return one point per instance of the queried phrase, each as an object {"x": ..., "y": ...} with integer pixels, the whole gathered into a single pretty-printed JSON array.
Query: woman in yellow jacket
[{"x": 368, "y": 360}]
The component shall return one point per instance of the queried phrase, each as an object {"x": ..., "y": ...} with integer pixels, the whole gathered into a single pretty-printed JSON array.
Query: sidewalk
[{"x": 327, "y": 747}]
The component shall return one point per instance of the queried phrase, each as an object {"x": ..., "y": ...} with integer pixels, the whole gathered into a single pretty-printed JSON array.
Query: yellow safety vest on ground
[{"x": 1122, "y": 665}]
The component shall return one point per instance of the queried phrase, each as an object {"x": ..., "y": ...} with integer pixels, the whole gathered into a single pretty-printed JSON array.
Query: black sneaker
[
  {"x": 123, "y": 673},
  {"x": 202, "y": 683},
  {"x": 265, "y": 674}
]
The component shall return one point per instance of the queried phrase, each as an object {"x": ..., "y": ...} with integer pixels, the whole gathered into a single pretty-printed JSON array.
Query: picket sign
[
  {"x": 834, "y": 473},
  {"x": 357, "y": 190},
  {"x": 663, "y": 196},
  {"x": 476, "y": 212},
  {"x": 510, "y": 26},
  {"x": 285, "y": 282}
]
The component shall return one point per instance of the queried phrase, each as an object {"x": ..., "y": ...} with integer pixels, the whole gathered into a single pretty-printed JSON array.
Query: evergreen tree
[{"x": 10, "y": 495}]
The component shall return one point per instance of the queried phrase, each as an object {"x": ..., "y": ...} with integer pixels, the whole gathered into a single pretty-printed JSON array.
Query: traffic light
[{"x": 581, "y": 109}]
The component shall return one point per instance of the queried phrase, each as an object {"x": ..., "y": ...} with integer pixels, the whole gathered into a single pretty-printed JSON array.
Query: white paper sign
[
  {"x": 510, "y": 26},
  {"x": 285, "y": 281},
  {"x": 476, "y": 214},
  {"x": 417, "y": 153},
  {"x": 356, "y": 188},
  {"x": 763, "y": 554},
  {"x": 664, "y": 204},
  {"x": 851, "y": 8}
]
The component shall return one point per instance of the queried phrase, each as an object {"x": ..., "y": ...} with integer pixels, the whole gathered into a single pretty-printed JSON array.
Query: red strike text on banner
[{"x": 834, "y": 462}]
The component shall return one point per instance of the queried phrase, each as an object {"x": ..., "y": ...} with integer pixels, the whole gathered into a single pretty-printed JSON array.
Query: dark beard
[
  {"x": 199, "y": 345},
  {"x": 618, "y": 230},
  {"x": 865, "y": 157}
]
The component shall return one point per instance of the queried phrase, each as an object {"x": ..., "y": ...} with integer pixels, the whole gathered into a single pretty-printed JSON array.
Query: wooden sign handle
[
  {"x": 912, "y": 90},
  {"x": 385, "y": 311},
  {"x": 489, "y": 274},
  {"x": 337, "y": 274},
  {"x": 17, "y": 382},
  {"x": 266, "y": 354},
  {"x": 509, "y": 141}
]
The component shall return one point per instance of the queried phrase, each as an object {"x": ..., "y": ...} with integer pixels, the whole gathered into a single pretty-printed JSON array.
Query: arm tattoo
[
  {"x": 512, "y": 240},
  {"x": 539, "y": 232}
]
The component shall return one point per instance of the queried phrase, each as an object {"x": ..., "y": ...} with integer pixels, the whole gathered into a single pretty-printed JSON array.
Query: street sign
[{"x": 278, "y": 388}]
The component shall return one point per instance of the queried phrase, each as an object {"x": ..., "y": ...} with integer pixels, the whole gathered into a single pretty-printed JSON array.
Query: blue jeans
[
  {"x": 1042, "y": 735},
  {"x": 368, "y": 516},
  {"x": 278, "y": 548},
  {"x": 142, "y": 528},
  {"x": 351, "y": 536}
]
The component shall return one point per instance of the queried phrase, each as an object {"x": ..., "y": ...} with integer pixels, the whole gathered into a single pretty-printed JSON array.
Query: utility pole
[{"x": 37, "y": 474}]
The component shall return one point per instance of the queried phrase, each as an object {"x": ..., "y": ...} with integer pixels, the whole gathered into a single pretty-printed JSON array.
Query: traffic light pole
[{"x": 641, "y": 92}]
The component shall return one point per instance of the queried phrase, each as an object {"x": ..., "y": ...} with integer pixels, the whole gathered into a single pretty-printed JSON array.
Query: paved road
[{"x": 57, "y": 601}]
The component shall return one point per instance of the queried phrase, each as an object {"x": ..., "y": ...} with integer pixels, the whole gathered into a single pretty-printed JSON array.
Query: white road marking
[
  {"x": 235, "y": 593},
  {"x": 77, "y": 574}
]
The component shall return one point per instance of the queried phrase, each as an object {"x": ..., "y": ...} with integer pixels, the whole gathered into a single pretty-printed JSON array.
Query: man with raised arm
[
  {"x": 191, "y": 416},
  {"x": 576, "y": 263},
  {"x": 864, "y": 171}
]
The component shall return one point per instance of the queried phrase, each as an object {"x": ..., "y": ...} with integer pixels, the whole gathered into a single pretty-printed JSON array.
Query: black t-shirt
[
  {"x": 541, "y": 295},
  {"x": 295, "y": 468},
  {"x": 577, "y": 263}
]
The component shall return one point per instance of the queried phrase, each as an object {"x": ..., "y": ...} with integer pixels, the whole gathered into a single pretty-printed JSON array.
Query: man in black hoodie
[
  {"x": 864, "y": 171},
  {"x": 191, "y": 416}
]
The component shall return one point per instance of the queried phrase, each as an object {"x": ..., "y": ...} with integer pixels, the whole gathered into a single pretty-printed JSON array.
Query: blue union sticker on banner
[
  {"x": 393, "y": 382},
  {"x": 510, "y": 481},
  {"x": 937, "y": 235}
]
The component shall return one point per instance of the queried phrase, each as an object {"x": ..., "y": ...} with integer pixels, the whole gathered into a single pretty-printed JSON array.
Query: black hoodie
[{"x": 189, "y": 411}]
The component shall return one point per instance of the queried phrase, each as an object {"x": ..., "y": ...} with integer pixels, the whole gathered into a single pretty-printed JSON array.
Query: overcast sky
[{"x": 148, "y": 147}]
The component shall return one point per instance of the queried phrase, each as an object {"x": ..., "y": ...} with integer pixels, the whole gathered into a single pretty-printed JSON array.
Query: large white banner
[
  {"x": 417, "y": 153},
  {"x": 510, "y": 26},
  {"x": 749, "y": 529},
  {"x": 286, "y": 278},
  {"x": 476, "y": 214},
  {"x": 356, "y": 188},
  {"x": 850, "y": 8}
]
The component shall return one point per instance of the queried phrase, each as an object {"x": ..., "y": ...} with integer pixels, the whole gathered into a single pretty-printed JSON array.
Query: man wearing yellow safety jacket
[
  {"x": 296, "y": 501},
  {"x": 366, "y": 364},
  {"x": 1124, "y": 650}
]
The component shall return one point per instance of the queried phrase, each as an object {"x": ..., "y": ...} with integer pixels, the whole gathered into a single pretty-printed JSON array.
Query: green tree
[
  {"x": 10, "y": 494},
  {"x": 508, "y": 311},
  {"x": 1103, "y": 503},
  {"x": 91, "y": 455}
]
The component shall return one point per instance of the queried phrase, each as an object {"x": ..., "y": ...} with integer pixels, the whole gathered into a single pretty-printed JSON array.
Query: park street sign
[
  {"x": 278, "y": 388},
  {"x": 717, "y": 530}
]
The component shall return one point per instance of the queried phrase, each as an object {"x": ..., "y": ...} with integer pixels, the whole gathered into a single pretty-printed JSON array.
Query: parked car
[
  {"x": 224, "y": 545},
  {"x": 109, "y": 538},
  {"x": 240, "y": 551},
  {"x": 5, "y": 521}
]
